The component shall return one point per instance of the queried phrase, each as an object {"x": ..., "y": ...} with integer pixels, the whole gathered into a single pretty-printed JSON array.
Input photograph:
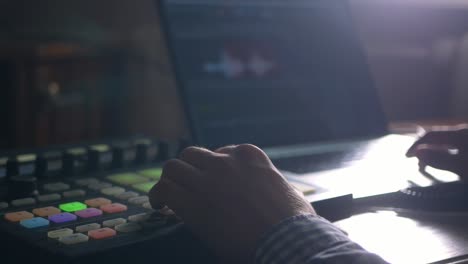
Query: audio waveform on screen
[{"x": 233, "y": 66}]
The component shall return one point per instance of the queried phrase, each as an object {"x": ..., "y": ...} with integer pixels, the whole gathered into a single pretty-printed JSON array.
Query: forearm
[{"x": 310, "y": 239}]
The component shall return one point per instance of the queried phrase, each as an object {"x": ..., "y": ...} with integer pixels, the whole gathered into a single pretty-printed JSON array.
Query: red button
[
  {"x": 101, "y": 233},
  {"x": 113, "y": 208}
]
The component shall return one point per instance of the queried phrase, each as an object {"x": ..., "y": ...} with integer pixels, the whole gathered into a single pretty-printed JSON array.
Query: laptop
[{"x": 291, "y": 77}]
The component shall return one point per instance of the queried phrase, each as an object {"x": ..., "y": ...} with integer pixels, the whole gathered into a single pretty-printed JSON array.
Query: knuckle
[
  {"x": 170, "y": 166},
  {"x": 249, "y": 149},
  {"x": 189, "y": 151},
  {"x": 251, "y": 152}
]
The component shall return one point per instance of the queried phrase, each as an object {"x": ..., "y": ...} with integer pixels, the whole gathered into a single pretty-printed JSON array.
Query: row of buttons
[
  {"x": 104, "y": 204},
  {"x": 143, "y": 181},
  {"x": 54, "y": 214},
  {"x": 73, "y": 161},
  {"x": 108, "y": 229},
  {"x": 43, "y": 198}
]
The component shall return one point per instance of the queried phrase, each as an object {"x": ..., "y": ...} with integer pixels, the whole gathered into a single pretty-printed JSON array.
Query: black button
[
  {"x": 3, "y": 168},
  {"x": 100, "y": 157},
  {"x": 24, "y": 165},
  {"x": 49, "y": 164},
  {"x": 124, "y": 154},
  {"x": 148, "y": 151},
  {"x": 75, "y": 161}
]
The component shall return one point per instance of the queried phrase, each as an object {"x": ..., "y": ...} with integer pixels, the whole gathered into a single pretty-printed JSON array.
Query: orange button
[
  {"x": 102, "y": 233},
  {"x": 46, "y": 211},
  {"x": 114, "y": 208},
  {"x": 18, "y": 216},
  {"x": 97, "y": 202}
]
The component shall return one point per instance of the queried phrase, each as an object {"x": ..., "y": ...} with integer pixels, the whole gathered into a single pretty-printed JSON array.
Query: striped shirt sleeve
[{"x": 309, "y": 239}]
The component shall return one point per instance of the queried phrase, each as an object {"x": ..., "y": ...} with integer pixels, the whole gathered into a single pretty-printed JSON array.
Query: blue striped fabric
[{"x": 310, "y": 239}]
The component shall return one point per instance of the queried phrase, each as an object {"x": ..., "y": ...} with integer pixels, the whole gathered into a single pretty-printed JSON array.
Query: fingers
[
  {"x": 451, "y": 138},
  {"x": 182, "y": 173},
  {"x": 227, "y": 149},
  {"x": 198, "y": 157},
  {"x": 439, "y": 158},
  {"x": 245, "y": 151},
  {"x": 168, "y": 193}
]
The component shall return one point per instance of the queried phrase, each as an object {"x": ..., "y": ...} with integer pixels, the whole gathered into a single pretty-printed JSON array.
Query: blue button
[{"x": 34, "y": 222}]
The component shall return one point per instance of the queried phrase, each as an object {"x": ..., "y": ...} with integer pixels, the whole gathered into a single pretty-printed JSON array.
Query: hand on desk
[
  {"x": 228, "y": 197},
  {"x": 447, "y": 150}
]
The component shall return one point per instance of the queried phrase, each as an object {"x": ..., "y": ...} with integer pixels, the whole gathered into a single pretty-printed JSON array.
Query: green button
[
  {"x": 72, "y": 207},
  {"x": 154, "y": 173},
  {"x": 144, "y": 187},
  {"x": 127, "y": 178}
]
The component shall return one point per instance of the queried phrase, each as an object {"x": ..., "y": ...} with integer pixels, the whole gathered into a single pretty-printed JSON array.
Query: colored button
[
  {"x": 139, "y": 217},
  {"x": 113, "y": 208},
  {"x": 72, "y": 207},
  {"x": 127, "y": 195},
  {"x": 305, "y": 189},
  {"x": 62, "y": 218},
  {"x": 74, "y": 193},
  {"x": 3, "y": 205},
  {"x": 128, "y": 228},
  {"x": 127, "y": 178},
  {"x": 98, "y": 202},
  {"x": 140, "y": 200},
  {"x": 87, "y": 228},
  {"x": 74, "y": 239},
  {"x": 86, "y": 181},
  {"x": 59, "y": 233},
  {"x": 18, "y": 216},
  {"x": 56, "y": 187},
  {"x": 23, "y": 202},
  {"x": 34, "y": 222},
  {"x": 147, "y": 205},
  {"x": 99, "y": 186},
  {"x": 90, "y": 212},
  {"x": 102, "y": 233},
  {"x": 49, "y": 197},
  {"x": 114, "y": 222},
  {"x": 46, "y": 211},
  {"x": 154, "y": 174},
  {"x": 144, "y": 187},
  {"x": 112, "y": 191}
]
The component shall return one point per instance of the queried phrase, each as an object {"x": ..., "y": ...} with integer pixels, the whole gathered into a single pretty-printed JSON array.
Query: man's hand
[
  {"x": 445, "y": 149},
  {"x": 228, "y": 198}
]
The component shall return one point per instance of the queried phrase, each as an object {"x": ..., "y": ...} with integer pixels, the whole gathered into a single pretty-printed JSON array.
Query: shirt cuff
[{"x": 297, "y": 238}]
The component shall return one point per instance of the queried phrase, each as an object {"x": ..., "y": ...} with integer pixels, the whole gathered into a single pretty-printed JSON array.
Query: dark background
[{"x": 82, "y": 70}]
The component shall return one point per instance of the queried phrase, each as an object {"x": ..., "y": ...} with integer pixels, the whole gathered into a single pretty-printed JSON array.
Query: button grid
[{"x": 70, "y": 213}]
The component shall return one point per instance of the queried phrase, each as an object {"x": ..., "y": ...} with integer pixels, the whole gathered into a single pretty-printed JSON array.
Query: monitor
[{"x": 271, "y": 72}]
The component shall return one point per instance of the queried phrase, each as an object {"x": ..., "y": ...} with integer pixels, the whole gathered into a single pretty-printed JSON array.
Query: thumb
[{"x": 441, "y": 159}]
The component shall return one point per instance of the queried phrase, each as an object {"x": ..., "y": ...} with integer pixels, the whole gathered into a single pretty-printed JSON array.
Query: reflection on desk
[{"x": 407, "y": 237}]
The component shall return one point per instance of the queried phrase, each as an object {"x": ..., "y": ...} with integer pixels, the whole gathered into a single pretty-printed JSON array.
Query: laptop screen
[{"x": 271, "y": 72}]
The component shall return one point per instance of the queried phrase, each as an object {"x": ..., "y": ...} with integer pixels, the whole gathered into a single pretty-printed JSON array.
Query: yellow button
[
  {"x": 97, "y": 202},
  {"x": 56, "y": 234},
  {"x": 46, "y": 211},
  {"x": 18, "y": 216}
]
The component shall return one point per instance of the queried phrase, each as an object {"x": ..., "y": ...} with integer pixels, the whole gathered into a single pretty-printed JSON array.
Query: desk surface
[{"x": 415, "y": 238}]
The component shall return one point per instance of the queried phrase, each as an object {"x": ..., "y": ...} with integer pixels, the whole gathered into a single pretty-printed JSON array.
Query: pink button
[
  {"x": 90, "y": 212},
  {"x": 114, "y": 208},
  {"x": 102, "y": 233}
]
